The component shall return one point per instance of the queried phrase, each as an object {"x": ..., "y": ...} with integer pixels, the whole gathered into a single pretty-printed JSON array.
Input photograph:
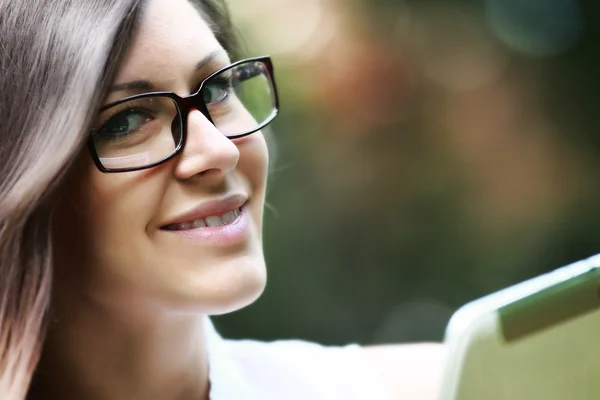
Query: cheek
[
  {"x": 99, "y": 217},
  {"x": 254, "y": 160},
  {"x": 120, "y": 205},
  {"x": 114, "y": 210}
]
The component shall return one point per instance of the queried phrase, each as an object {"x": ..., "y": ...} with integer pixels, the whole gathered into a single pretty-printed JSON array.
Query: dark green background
[{"x": 403, "y": 183}]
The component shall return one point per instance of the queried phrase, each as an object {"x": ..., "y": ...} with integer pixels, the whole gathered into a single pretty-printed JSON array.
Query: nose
[{"x": 207, "y": 151}]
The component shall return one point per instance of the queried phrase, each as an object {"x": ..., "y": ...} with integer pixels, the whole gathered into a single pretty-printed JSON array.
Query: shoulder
[{"x": 408, "y": 371}]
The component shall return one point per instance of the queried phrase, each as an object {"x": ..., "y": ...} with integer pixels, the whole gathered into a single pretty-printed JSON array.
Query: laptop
[{"x": 539, "y": 339}]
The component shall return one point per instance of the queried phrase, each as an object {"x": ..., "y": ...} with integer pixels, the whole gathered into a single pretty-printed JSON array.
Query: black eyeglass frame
[{"x": 184, "y": 106}]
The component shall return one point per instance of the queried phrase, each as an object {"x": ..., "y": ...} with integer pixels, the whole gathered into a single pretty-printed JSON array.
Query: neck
[{"x": 95, "y": 352}]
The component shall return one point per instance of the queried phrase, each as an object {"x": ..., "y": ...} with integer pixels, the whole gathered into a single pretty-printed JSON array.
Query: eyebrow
[{"x": 147, "y": 85}]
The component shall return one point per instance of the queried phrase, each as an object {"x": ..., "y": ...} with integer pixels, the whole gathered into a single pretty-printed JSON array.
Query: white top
[{"x": 287, "y": 369}]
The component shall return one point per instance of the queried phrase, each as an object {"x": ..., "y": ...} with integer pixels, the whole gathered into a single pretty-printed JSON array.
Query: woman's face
[{"x": 112, "y": 244}]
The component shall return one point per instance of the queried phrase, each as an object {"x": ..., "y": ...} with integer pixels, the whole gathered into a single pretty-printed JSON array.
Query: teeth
[
  {"x": 212, "y": 221},
  {"x": 229, "y": 217},
  {"x": 199, "y": 224}
]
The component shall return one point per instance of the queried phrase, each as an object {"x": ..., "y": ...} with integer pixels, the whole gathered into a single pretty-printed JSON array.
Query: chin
[
  {"x": 224, "y": 291},
  {"x": 235, "y": 298},
  {"x": 232, "y": 304}
]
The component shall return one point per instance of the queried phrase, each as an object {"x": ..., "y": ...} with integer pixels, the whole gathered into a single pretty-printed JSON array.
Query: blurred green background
[{"x": 427, "y": 153}]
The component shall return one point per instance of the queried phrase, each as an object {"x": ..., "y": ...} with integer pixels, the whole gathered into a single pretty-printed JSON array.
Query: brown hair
[{"x": 57, "y": 58}]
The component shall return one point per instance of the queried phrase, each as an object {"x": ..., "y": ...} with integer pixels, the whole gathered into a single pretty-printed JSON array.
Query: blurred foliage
[{"x": 427, "y": 153}]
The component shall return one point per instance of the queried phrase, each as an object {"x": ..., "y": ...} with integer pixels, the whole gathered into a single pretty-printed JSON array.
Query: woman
[{"x": 133, "y": 176}]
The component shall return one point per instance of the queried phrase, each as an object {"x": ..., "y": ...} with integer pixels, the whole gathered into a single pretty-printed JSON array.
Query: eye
[
  {"x": 216, "y": 90},
  {"x": 249, "y": 71},
  {"x": 125, "y": 123}
]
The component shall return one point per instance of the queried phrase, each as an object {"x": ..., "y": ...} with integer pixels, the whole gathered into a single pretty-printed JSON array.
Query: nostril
[{"x": 210, "y": 172}]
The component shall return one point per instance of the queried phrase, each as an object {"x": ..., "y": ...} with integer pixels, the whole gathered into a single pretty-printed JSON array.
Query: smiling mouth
[{"x": 212, "y": 221}]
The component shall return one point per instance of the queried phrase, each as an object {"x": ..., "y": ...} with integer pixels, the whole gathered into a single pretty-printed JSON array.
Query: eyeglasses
[{"x": 145, "y": 130}]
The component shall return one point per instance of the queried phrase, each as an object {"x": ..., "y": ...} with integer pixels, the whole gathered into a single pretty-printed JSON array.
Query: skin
[{"x": 129, "y": 299}]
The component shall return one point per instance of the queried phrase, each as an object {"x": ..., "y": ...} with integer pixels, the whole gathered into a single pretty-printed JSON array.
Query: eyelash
[
  {"x": 128, "y": 106},
  {"x": 226, "y": 81}
]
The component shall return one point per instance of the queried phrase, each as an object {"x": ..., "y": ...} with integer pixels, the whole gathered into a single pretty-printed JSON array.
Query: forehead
[{"x": 171, "y": 38}]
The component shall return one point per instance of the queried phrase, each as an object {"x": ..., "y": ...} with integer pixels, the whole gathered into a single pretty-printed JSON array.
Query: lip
[
  {"x": 209, "y": 208},
  {"x": 224, "y": 235}
]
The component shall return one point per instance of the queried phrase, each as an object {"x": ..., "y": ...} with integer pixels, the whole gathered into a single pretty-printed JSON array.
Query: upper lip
[{"x": 210, "y": 208}]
